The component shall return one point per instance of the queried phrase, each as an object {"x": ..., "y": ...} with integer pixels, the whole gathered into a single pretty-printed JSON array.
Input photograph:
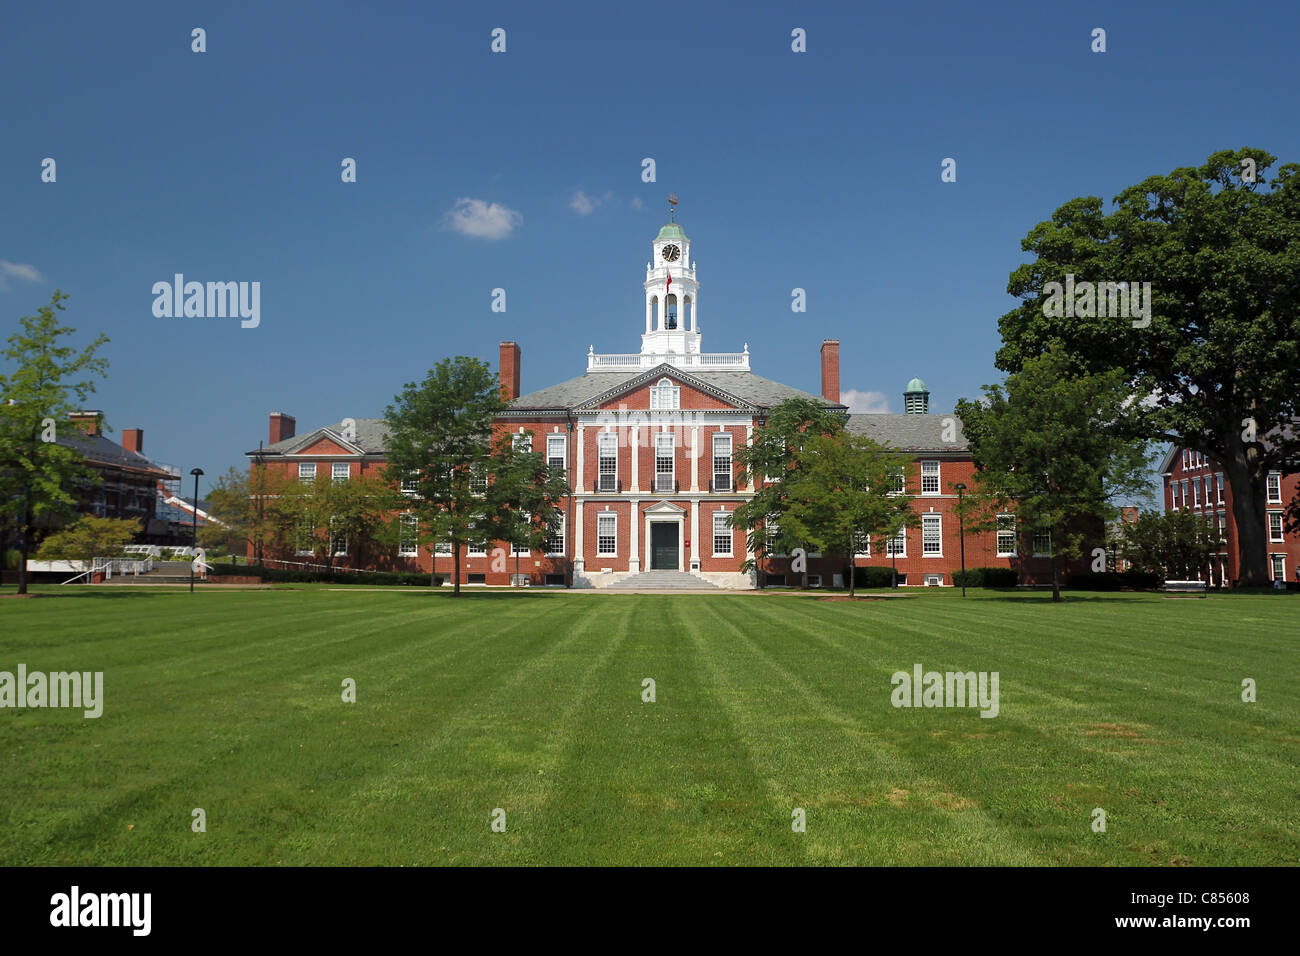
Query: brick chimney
[
  {"x": 509, "y": 371},
  {"x": 282, "y": 426},
  {"x": 89, "y": 420},
  {"x": 831, "y": 370},
  {"x": 133, "y": 440}
]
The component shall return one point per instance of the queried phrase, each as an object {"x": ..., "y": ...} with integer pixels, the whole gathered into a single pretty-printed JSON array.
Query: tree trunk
[
  {"x": 455, "y": 584},
  {"x": 1056, "y": 580},
  {"x": 1249, "y": 510},
  {"x": 24, "y": 546},
  {"x": 853, "y": 564}
]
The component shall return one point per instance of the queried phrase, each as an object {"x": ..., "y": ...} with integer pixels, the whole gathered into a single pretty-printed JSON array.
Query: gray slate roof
[
  {"x": 371, "y": 436},
  {"x": 745, "y": 386},
  {"x": 97, "y": 448},
  {"x": 909, "y": 432}
]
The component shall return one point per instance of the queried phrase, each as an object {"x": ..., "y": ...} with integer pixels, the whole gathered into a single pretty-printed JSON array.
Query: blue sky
[{"x": 818, "y": 170}]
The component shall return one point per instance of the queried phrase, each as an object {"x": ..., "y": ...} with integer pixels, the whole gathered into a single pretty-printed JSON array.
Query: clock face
[{"x": 670, "y": 253}]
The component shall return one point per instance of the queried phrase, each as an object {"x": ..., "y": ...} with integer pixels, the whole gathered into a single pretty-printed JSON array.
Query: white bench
[{"x": 1185, "y": 587}]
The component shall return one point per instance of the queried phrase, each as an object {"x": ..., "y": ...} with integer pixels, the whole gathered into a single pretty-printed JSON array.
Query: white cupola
[{"x": 672, "y": 324}]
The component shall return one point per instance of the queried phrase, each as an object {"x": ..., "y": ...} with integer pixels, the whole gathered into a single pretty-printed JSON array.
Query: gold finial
[{"x": 672, "y": 207}]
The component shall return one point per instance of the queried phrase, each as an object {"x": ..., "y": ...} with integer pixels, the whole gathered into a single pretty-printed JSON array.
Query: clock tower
[{"x": 671, "y": 294}]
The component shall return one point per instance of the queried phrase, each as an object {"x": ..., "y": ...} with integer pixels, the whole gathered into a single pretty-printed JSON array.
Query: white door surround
[{"x": 668, "y": 513}]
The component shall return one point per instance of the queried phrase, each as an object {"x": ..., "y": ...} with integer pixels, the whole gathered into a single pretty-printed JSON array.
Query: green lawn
[{"x": 532, "y": 702}]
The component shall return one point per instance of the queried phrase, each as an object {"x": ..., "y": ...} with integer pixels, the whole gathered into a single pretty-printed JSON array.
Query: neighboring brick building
[
  {"x": 649, "y": 439},
  {"x": 1194, "y": 482}
]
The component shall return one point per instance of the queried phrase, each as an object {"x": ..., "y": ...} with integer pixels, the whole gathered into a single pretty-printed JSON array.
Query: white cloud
[
  {"x": 585, "y": 205},
  {"x": 482, "y": 220},
  {"x": 636, "y": 202},
  {"x": 18, "y": 270},
  {"x": 868, "y": 403}
]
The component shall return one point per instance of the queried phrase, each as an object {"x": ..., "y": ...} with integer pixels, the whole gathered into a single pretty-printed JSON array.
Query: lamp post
[
  {"x": 194, "y": 540},
  {"x": 961, "y": 523}
]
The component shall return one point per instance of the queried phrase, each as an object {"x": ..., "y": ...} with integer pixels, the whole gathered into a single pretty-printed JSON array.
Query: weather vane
[{"x": 672, "y": 207}]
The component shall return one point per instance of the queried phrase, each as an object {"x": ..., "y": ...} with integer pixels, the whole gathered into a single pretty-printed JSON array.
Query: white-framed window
[
  {"x": 1185, "y": 466},
  {"x": 478, "y": 480},
  {"x": 306, "y": 472},
  {"x": 1218, "y": 481},
  {"x": 442, "y": 547},
  {"x": 1173, "y": 496},
  {"x": 408, "y": 535},
  {"x": 721, "y": 534},
  {"x": 338, "y": 538},
  {"x": 1279, "y": 566},
  {"x": 664, "y": 461},
  {"x": 555, "y": 454},
  {"x": 861, "y": 545},
  {"x": 665, "y": 395},
  {"x": 773, "y": 533},
  {"x": 1274, "y": 485},
  {"x": 524, "y": 442},
  {"x": 898, "y": 482},
  {"x": 1196, "y": 492},
  {"x": 1042, "y": 544},
  {"x": 341, "y": 471},
  {"x": 607, "y": 461},
  {"x": 1186, "y": 497},
  {"x": 411, "y": 483},
  {"x": 929, "y": 477},
  {"x": 1223, "y": 527},
  {"x": 1006, "y": 536},
  {"x": 514, "y": 550},
  {"x": 305, "y": 539},
  {"x": 722, "y": 462},
  {"x": 1275, "y": 526},
  {"x": 932, "y": 536},
  {"x": 607, "y": 533},
  {"x": 897, "y": 545},
  {"x": 476, "y": 549},
  {"x": 555, "y": 534}
]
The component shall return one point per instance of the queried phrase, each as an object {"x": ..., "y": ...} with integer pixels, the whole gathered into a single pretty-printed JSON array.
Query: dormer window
[{"x": 665, "y": 395}]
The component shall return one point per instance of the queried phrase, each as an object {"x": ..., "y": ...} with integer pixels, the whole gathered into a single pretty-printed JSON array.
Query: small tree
[
  {"x": 321, "y": 515},
  {"x": 523, "y": 496},
  {"x": 440, "y": 441},
  {"x": 769, "y": 465},
  {"x": 37, "y": 474},
  {"x": 1053, "y": 446},
  {"x": 88, "y": 538},
  {"x": 238, "y": 504},
  {"x": 1176, "y": 544}
]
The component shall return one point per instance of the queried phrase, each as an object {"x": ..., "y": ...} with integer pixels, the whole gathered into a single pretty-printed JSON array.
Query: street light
[
  {"x": 194, "y": 540},
  {"x": 961, "y": 523}
]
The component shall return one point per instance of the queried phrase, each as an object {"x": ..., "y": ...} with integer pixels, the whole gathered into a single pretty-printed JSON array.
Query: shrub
[
  {"x": 1112, "y": 581},
  {"x": 1140, "y": 580},
  {"x": 873, "y": 577},
  {"x": 340, "y": 576},
  {"x": 987, "y": 578}
]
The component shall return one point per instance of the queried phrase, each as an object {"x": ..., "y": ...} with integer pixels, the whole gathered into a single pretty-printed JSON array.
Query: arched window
[
  {"x": 654, "y": 312},
  {"x": 670, "y": 311},
  {"x": 688, "y": 312},
  {"x": 665, "y": 395}
]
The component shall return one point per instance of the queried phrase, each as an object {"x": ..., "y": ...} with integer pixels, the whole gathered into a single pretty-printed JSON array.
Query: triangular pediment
[
  {"x": 675, "y": 375},
  {"x": 324, "y": 441},
  {"x": 665, "y": 508}
]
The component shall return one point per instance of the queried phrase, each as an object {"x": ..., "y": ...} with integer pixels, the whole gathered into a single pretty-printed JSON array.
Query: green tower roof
[
  {"x": 671, "y": 231},
  {"x": 916, "y": 385}
]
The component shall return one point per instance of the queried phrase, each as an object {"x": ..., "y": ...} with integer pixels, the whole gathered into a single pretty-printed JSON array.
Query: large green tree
[
  {"x": 238, "y": 502},
  {"x": 1215, "y": 361},
  {"x": 440, "y": 442},
  {"x": 1052, "y": 446},
  {"x": 88, "y": 538},
  {"x": 46, "y": 379},
  {"x": 331, "y": 518}
]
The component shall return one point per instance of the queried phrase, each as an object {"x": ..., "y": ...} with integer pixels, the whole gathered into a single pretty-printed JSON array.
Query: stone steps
[{"x": 667, "y": 580}]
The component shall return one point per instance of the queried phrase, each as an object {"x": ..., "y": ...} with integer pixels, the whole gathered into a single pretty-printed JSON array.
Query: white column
[
  {"x": 634, "y": 438},
  {"x": 647, "y": 312},
  {"x": 695, "y": 534},
  {"x": 695, "y": 459},
  {"x": 577, "y": 483},
  {"x": 634, "y": 559},
  {"x": 695, "y": 307},
  {"x": 578, "y": 562}
]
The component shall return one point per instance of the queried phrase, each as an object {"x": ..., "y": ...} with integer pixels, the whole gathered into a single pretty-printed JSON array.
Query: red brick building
[
  {"x": 1194, "y": 482},
  {"x": 649, "y": 440}
]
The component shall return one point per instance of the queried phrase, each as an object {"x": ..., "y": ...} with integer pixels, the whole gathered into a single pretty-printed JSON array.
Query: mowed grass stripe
[
  {"x": 865, "y": 799},
  {"x": 677, "y": 785}
]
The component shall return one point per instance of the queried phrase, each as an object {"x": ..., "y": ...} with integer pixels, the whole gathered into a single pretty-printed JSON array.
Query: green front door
[{"x": 663, "y": 546}]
